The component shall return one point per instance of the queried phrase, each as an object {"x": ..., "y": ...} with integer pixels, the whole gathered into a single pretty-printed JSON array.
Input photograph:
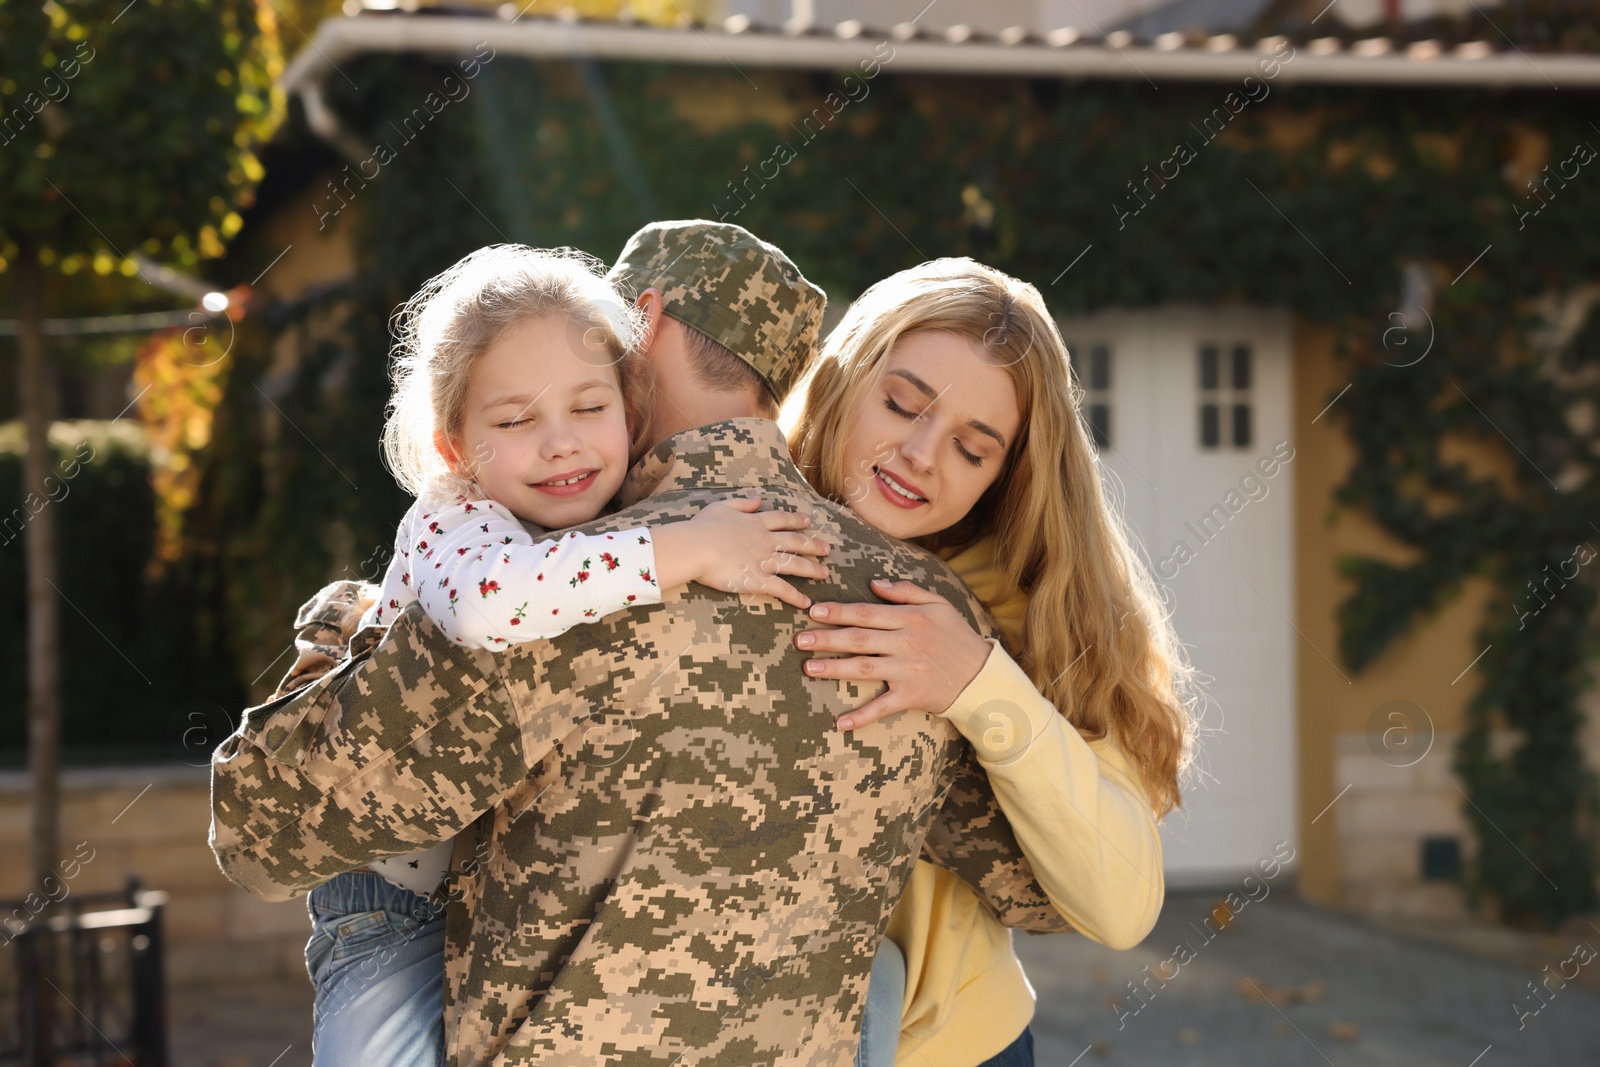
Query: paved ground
[
  {"x": 242, "y": 1025},
  {"x": 1331, "y": 990},
  {"x": 1347, "y": 995}
]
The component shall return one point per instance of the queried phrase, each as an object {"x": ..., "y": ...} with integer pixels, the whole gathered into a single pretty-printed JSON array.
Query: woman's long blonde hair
[{"x": 1097, "y": 641}]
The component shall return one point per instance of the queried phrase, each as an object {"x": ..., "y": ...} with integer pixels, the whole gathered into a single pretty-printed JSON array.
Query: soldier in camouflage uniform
[{"x": 675, "y": 858}]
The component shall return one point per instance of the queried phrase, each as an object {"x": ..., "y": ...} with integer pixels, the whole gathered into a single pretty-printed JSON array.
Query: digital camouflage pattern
[
  {"x": 324, "y": 626},
  {"x": 675, "y": 858},
  {"x": 733, "y": 287}
]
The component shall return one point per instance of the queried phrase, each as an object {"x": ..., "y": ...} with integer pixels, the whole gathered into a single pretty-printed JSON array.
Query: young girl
[{"x": 520, "y": 397}]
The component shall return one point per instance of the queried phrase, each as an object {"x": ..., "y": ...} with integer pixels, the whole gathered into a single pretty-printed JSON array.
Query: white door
[{"x": 1192, "y": 406}]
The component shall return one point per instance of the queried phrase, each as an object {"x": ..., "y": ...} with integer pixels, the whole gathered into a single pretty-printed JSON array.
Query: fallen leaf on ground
[
  {"x": 1342, "y": 1031},
  {"x": 1261, "y": 992}
]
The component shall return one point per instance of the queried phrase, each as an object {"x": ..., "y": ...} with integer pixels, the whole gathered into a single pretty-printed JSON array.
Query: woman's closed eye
[{"x": 889, "y": 402}]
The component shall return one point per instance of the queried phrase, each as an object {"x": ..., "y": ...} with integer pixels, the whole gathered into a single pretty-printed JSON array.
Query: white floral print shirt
[{"x": 487, "y": 583}]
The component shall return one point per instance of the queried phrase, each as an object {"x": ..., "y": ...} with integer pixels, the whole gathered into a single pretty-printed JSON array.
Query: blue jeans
[
  {"x": 886, "y": 1001},
  {"x": 1017, "y": 1054},
  {"x": 376, "y": 959}
]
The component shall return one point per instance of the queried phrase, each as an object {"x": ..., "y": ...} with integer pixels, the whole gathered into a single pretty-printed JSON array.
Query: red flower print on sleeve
[
  {"x": 611, "y": 562},
  {"x": 486, "y": 587},
  {"x": 645, "y": 574},
  {"x": 522, "y": 613},
  {"x": 583, "y": 575}
]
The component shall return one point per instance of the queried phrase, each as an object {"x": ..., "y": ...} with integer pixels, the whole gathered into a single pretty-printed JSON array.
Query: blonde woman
[{"x": 943, "y": 412}]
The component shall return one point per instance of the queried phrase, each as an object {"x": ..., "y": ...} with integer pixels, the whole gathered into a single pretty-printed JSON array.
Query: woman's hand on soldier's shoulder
[{"x": 918, "y": 643}]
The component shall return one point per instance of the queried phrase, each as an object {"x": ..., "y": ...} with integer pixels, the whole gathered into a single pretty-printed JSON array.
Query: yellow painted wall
[
  {"x": 312, "y": 254},
  {"x": 1422, "y": 666}
]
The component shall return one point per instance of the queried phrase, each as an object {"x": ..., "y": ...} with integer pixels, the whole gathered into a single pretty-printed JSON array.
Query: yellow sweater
[{"x": 1084, "y": 822}]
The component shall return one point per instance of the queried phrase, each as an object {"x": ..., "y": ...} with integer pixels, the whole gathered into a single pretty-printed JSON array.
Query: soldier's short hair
[{"x": 719, "y": 369}]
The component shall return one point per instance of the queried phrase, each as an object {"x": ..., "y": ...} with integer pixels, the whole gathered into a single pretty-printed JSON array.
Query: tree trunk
[{"x": 44, "y": 666}]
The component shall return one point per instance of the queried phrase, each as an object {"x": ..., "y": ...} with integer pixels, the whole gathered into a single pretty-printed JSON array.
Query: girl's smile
[{"x": 569, "y": 484}]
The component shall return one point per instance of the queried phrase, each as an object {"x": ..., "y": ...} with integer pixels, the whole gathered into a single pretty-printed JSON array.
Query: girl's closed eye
[
  {"x": 591, "y": 411},
  {"x": 512, "y": 425}
]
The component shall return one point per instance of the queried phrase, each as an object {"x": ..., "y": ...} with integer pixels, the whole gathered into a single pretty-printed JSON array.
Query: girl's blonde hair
[
  {"x": 458, "y": 314},
  {"x": 1097, "y": 642}
]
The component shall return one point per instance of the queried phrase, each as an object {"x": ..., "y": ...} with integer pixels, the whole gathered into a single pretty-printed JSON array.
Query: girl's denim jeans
[{"x": 376, "y": 959}]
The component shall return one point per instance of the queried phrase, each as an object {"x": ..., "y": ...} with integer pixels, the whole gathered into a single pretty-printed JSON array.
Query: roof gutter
[{"x": 455, "y": 36}]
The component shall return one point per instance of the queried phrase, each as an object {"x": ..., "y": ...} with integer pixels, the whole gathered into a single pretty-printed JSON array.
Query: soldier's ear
[{"x": 649, "y": 302}]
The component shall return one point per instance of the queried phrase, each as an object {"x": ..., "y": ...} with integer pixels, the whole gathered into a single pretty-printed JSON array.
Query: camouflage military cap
[{"x": 735, "y": 288}]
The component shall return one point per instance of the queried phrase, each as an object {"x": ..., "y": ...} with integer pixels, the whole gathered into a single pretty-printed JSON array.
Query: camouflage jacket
[{"x": 675, "y": 858}]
